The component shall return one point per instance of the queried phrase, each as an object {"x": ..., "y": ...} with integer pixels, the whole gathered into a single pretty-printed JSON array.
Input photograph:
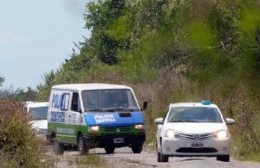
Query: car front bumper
[{"x": 188, "y": 147}]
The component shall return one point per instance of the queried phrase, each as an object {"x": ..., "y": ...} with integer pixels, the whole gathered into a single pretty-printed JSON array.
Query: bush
[{"x": 19, "y": 147}]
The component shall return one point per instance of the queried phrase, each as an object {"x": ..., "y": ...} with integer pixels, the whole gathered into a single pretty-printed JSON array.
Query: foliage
[
  {"x": 1, "y": 81},
  {"x": 28, "y": 95},
  {"x": 18, "y": 145}
]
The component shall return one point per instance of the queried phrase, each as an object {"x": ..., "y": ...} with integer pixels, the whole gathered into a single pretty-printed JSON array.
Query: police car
[
  {"x": 95, "y": 115},
  {"x": 37, "y": 116},
  {"x": 193, "y": 129}
]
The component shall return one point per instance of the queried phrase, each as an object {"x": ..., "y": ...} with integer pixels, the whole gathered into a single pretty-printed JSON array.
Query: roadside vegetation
[{"x": 19, "y": 147}]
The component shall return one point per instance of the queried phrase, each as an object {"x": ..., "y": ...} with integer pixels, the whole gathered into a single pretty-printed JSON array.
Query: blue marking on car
[{"x": 205, "y": 102}]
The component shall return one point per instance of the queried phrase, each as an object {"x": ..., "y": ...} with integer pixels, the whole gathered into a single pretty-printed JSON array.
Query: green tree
[
  {"x": 101, "y": 17},
  {"x": 1, "y": 81},
  {"x": 28, "y": 95}
]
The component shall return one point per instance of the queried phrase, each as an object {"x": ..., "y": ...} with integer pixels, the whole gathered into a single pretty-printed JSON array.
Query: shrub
[{"x": 19, "y": 147}]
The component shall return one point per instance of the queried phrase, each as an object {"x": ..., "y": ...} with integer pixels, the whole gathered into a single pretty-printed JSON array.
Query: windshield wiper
[
  {"x": 113, "y": 109},
  {"x": 181, "y": 120},
  {"x": 96, "y": 109}
]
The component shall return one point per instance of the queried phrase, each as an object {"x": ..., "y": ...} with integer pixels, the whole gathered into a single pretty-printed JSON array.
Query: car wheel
[
  {"x": 58, "y": 148},
  {"x": 82, "y": 147},
  {"x": 109, "y": 149},
  {"x": 137, "y": 148},
  {"x": 162, "y": 158},
  {"x": 223, "y": 158}
]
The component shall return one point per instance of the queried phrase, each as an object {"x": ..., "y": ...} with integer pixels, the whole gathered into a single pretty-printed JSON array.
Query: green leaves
[
  {"x": 1, "y": 80},
  {"x": 200, "y": 35},
  {"x": 250, "y": 20},
  {"x": 120, "y": 29}
]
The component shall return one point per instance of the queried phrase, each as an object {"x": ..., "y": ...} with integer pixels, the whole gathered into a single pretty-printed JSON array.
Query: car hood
[
  {"x": 196, "y": 128},
  {"x": 39, "y": 124}
]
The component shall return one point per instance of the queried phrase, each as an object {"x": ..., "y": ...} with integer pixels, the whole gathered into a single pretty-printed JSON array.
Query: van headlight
[
  {"x": 170, "y": 134},
  {"x": 222, "y": 134},
  {"x": 139, "y": 127},
  {"x": 93, "y": 129}
]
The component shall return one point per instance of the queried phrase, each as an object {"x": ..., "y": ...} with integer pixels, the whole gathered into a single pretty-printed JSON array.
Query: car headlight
[
  {"x": 222, "y": 134},
  {"x": 170, "y": 134},
  {"x": 139, "y": 127},
  {"x": 93, "y": 128}
]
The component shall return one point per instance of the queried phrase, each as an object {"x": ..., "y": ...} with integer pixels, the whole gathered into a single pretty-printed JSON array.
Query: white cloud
[{"x": 9, "y": 37}]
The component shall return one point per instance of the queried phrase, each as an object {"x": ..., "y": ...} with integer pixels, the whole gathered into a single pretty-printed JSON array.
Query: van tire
[
  {"x": 223, "y": 158},
  {"x": 109, "y": 149},
  {"x": 82, "y": 147},
  {"x": 137, "y": 148},
  {"x": 58, "y": 148}
]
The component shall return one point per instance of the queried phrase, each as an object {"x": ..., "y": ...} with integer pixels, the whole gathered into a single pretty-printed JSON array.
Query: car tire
[
  {"x": 223, "y": 158},
  {"x": 109, "y": 149},
  {"x": 58, "y": 148},
  {"x": 162, "y": 158},
  {"x": 82, "y": 147},
  {"x": 137, "y": 148}
]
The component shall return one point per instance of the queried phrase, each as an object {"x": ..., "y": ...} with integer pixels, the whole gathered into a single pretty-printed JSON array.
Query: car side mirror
[
  {"x": 230, "y": 121},
  {"x": 158, "y": 121},
  {"x": 145, "y": 105}
]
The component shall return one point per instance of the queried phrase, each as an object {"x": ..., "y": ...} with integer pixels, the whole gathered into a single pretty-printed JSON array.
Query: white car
[
  {"x": 37, "y": 115},
  {"x": 193, "y": 129}
]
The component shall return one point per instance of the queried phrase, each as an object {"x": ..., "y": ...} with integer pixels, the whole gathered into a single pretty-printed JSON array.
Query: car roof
[
  {"x": 192, "y": 104},
  {"x": 37, "y": 104},
  {"x": 89, "y": 86}
]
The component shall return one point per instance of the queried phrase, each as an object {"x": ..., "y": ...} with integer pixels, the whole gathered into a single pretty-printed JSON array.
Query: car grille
[
  {"x": 116, "y": 130},
  {"x": 195, "y": 136},
  {"x": 196, "y": 150}
]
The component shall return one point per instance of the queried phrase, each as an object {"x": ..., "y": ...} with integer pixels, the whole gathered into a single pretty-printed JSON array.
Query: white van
[{"x": 95, "y": 115}]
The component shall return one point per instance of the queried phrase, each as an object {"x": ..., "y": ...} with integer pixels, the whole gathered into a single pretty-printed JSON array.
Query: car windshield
[
  {"x": 194, "y": 114},
  {"x": 109, "y": 100},
  {"x": 37, "y": 113}
]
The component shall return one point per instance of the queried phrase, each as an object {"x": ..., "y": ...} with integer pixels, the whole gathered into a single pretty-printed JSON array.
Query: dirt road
[
  {"x": 148, "y": 159},
  {"x": 124, "y": 158}
]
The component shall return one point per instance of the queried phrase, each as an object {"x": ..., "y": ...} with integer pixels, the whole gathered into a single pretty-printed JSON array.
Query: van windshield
[{"x": 109, "y": 100}]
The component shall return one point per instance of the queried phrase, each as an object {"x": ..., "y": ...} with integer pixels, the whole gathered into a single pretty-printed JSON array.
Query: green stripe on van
[{"x": 67, "y": 133}]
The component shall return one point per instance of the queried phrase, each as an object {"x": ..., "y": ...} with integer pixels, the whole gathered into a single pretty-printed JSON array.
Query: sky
[{"x": 36, "y": 36}]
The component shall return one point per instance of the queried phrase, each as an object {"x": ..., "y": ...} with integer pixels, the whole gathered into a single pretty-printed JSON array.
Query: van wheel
[
  {"x": 109, "y": 149},
  {"x": 162, "y": 158},
  {"x": 137, "y": 148},
  {"x": 58, "y": 148},
  {"x": 82, "y": 147}
]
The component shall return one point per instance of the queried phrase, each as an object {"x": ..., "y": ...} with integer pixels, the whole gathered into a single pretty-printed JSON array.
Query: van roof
[{"x": 89, "y": 86}]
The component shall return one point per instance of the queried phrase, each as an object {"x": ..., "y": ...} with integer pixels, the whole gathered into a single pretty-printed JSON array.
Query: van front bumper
[{"x": 115, "y": 141}]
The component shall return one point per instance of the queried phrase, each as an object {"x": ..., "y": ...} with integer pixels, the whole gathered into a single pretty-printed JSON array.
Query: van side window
[
  {"x": 65, "y": 101},
  {"x": 75, "y": 106}
]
